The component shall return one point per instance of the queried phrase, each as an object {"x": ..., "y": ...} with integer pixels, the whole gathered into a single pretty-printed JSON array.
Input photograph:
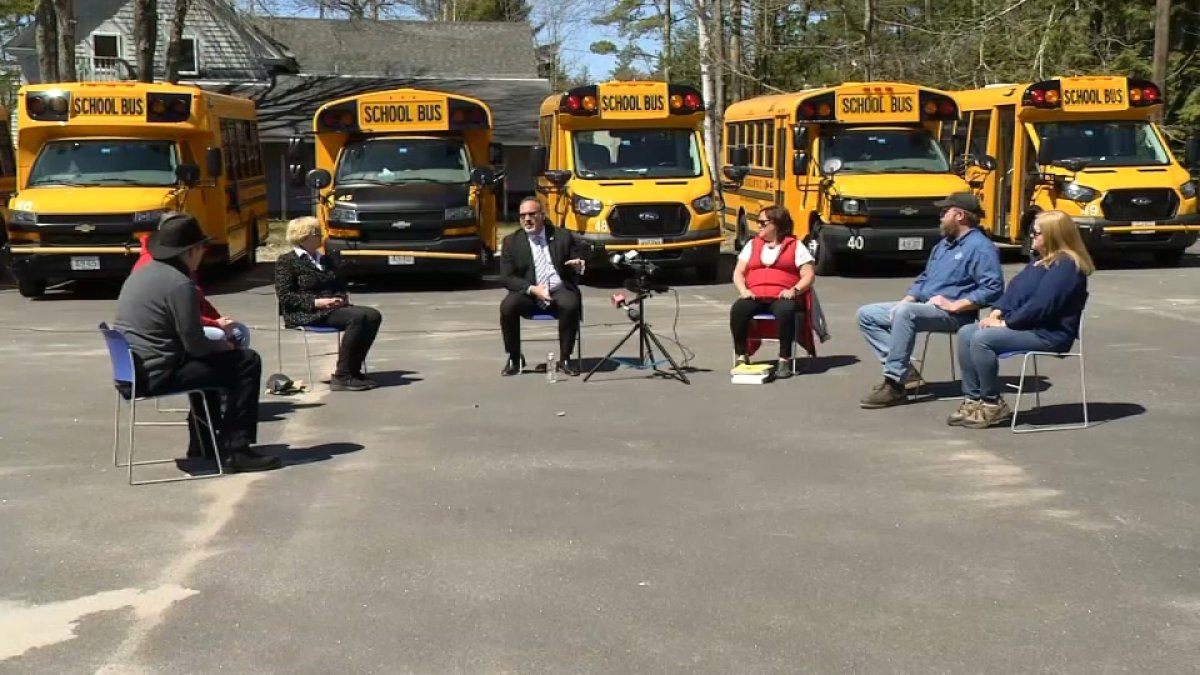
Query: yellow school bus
[
  {"x": 98, "y": 162},
  {"x": 623, "y": 164},
  {"x": 405, "y": 182},
  {"x": 8, "y": 171},
  {"x": 858, "y": 165},
  {"x": 1086, "y": 146}
]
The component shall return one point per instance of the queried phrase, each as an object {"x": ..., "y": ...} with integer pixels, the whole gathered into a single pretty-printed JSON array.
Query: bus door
[
  {"x": 804, "y": 170},
  {"x": 1008, "y": 177}
]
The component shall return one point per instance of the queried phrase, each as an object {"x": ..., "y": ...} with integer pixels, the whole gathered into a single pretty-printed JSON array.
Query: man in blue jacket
[{"x": 962, "y": 275}]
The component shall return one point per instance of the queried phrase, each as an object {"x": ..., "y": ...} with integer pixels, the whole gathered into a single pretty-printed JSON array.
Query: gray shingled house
[{"x": 289, "y": 66}]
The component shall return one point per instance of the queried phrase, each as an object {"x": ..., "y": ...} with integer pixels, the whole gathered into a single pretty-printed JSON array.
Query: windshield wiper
[
  {"x": 124, "y": 181},
  {"x": 55, "y": 181},
  {"x": 438, "y": 181},
  {"x": 910, "y": 169},
  {"x": 368, "y": 181}
]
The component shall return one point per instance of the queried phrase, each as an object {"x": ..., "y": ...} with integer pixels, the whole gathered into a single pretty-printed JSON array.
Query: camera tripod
[{"x": 647, "y": 341}]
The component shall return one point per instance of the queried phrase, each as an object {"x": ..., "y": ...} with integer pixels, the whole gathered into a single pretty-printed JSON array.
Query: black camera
[{"x": 643, "y": 271}]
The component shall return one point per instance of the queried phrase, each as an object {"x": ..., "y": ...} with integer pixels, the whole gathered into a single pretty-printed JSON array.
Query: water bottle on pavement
[{"x": 551, "y": 368}]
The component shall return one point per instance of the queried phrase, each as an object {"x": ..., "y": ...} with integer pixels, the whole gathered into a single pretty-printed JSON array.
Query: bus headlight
[
  {"x": 1188, "y": 189},
  {"x": 1079, "y": 193},
  {"x": 587, "y": 207},
  {"x": 703, "y": 204},
  {"x": 26, "y": 218},
  {"x": 343, "y": 214},
  {"x": 147, "y": 217},
  {"x": 848, "y": 206},
  {"x": 460, "y": 213}
]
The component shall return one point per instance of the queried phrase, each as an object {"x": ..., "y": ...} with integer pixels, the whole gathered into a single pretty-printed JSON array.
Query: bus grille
[
  {"x": 903, "y": 213},
  {"x": 89, "y": 239},
  {"x": 1146, "y": 204},
  {"x": 96, "y": 219},
  {"x": 401, "y": 225},
  {"x": 648, "y": 220}
]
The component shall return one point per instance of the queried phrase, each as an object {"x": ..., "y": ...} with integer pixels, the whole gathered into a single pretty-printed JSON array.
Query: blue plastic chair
[
  {"x": 549, "y": 316},
  {"x": 304, "y": 331},
  {"x": 1026, "y": 357},
  {"x": 125, "y": 382}
]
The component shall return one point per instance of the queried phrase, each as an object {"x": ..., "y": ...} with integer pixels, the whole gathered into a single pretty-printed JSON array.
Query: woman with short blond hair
[
  {"x": 312, "y": 294},
  {"x": 1040, "y": 311}
]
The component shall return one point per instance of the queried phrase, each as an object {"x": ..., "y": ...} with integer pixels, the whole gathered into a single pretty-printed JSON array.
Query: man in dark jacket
[
  {"x": 539, "y": 264},
  {"x": 159, "y": 314}
]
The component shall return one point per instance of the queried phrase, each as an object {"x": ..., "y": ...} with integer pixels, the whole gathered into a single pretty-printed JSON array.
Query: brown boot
[
  {"x": 885, "y": 395},
  {"x": 965, "y": 410},
  {"x": 988, "y": 415}
]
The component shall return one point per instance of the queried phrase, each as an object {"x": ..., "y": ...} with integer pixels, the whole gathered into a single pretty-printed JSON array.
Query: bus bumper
[
  {"x": 692, "y": 249},
  {"x": 455, "y": 255},
  {"x": 900, "y": 243},
  {"x": 1107, "y": 235},
  {"x": 43, "y": 263}
]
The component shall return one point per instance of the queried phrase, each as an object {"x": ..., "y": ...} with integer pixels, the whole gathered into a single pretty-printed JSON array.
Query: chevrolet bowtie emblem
[
  {"x": 401, "y": 224},
  {"x": 908, "y": 211},
  {"x": 85, "y": 227}
]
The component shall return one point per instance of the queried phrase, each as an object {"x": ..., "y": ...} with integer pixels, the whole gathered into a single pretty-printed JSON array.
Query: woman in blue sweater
[{"x": 1040, "y": 311}]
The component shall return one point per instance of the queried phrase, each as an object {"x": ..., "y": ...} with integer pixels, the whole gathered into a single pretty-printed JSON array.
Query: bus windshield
[
  {"x": 106, "y": 162},
  {"x": 884, "y": 151},
  {"x": 1131, "y": 143},
  {"x": 389, "y": 161},
  {"x": 637, "y": 153}
]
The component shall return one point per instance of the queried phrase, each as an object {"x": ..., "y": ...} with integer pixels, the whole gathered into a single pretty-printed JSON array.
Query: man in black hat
[
  {"x": 962, "y": 275},
  {"x": 158, "y": 311}
]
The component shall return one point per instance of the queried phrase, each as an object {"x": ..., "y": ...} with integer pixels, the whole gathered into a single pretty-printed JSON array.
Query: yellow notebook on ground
[{"x": 751, "y": 373}]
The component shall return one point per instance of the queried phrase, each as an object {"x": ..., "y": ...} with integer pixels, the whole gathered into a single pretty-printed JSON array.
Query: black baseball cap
[{"x": 963, "y": 200}]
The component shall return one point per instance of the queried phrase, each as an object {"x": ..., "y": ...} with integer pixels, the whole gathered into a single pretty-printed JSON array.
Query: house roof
[
  {"x": 88, "y": 17},
  {"x": 286, "y": 106},
  {"x": 395, "y": 48}
]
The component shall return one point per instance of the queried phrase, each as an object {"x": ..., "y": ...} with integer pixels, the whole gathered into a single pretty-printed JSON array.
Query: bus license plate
[
  {"x": 912, "y": 243},
  {"x": 85, "y": 262},
  {"x": 1150, "y": 224},
  {"x": 401, "y": 260},
  {"x": 651, "y": 241}
]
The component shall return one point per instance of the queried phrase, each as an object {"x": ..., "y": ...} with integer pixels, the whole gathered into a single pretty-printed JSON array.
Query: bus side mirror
[
  {"x": 318, "y": 179},
  {"x": 799, "y": 136},
  {"x": 831, "y": 166},
  {"x": 986, "y": 162},
  {"x": 295, "y": 149},
  {"x": 799, "y": 163},
  {"x": 482, "y": 177},
  {"x": 558, "y": 177},
  {"x": 737, "y": 174},
  {"x": 539, "y": 160},
  {"x": 187, "y": 174},
  {"x": 495, "y": 154},
  {"x": 739, "y": 155},
  {"x": 1191, "y": 153},
  {"x": 213, "y": 162},
  {"x": 296, "y": 174}
]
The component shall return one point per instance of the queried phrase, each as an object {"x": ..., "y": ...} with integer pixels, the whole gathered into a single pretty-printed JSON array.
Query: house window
[
  {"x": 189, "y": 61},
  {"x": 106, "y": 51}
]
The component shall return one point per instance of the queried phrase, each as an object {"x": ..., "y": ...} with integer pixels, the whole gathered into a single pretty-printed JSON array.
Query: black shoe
[
  {"x": 371, "y": 384},
  {"x": 347, "y": 383},
  {"x": 245, "y": 461},
  {"x": 783, "y": 369},
  {"x": 513, "y": 366},
  {"x": 566, "y": 368}
]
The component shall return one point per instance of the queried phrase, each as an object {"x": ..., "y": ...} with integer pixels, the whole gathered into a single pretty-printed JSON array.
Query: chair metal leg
[
  {"x": 1037, "y": 379},
  {"x": 308, "y": 360},
  {"x": 117, "y": 430},
  {"x": 953, "y": 370},
  {"x": 1083, "y": 390},
  {"x": 279, "y": 343},
  {"x": 212, "y": 432},
  {"x": 1020, "y": 390},
  {"x": 132, "y": 435},
  {"x": 1054, "y": 427}
]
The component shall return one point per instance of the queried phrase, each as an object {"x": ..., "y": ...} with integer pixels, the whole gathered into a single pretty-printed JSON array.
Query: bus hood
[
  {"x": 92, "y": 200},
  {"x": 897, "y": 185},
  {"x": 414, "y": 196},
  {"x": 1115, "y": 177}
]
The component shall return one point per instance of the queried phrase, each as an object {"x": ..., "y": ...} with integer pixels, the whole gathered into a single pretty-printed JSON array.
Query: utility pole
[{"x": 1162, "y": 33}]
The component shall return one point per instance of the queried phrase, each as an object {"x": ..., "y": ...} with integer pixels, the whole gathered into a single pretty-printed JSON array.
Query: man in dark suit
[{"x": 539, "y": 265}]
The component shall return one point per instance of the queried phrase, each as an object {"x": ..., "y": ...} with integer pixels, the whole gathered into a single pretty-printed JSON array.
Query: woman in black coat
[{"x": 311, "y": 294}]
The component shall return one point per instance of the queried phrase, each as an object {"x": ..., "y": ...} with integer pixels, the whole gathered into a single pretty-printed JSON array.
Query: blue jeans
[
  {"x": 241, "y": 334},
  {"x": 977, "y": 356},
  {"x": 892, "y": 339}
]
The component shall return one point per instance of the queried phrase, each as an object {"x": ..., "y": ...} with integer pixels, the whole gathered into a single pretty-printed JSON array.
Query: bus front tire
[
  {"x": 1172, "y": 257},
  {"x": 250, "y": 258},
  {"x": 825, "y": 261},
  {"x": 742, "y": 237},
  {"x": 31, "y": 288}
]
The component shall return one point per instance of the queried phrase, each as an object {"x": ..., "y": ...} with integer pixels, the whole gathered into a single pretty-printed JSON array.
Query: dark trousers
[
  {"x": 361, "y": 325},
  {"x": 744, "y": 309},
  {"x": 566, "y": 306},
  {"x": 238, "y": 372}
]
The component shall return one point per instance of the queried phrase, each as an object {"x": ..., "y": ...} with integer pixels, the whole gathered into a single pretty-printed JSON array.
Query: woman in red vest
[{"x": 773, "y": 272}]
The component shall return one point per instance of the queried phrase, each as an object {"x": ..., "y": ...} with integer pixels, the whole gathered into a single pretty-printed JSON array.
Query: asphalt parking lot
[{"x": 454, "y": 521}]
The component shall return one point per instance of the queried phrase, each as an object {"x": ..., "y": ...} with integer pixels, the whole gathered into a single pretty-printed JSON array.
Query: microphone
[{"x": 619, "y": 301}]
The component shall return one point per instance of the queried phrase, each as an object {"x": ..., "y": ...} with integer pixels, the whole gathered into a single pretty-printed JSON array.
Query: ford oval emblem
[
  {"x": 648, "y": 215},
  {"x": 1141, "y": 201}
]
